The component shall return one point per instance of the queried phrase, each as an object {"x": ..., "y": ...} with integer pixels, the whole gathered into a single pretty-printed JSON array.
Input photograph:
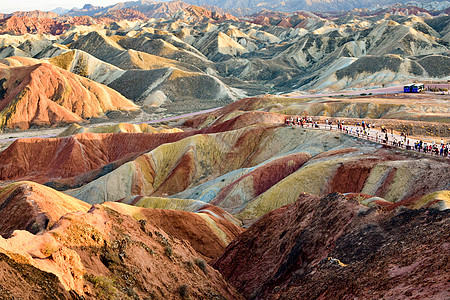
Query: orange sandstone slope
[
  {"x": 74, "y": 155},
  {"x": 120, "y": 254},
  {"x": 208, "y": 234},
  {"x": 34, "y": 207},
  {"x": 25, "y": 281},
  {"x": 44, "y": 95}
]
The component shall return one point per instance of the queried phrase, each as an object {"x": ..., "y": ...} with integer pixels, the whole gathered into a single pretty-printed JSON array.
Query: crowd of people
[
  {"x": 302, "y": 121},
  {"x": 441, "y": 149},
  {"x": 367, "y": 131}
]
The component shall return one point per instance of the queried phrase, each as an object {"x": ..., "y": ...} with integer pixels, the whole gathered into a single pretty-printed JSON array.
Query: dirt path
[
  {"x": 10, "y": 137},
  {"x": 376, "y": 91}
]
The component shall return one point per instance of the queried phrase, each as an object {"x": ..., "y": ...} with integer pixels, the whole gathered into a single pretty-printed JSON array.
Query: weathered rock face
[
  {"x": 125, "y": 14},
  {"x": 27, "y": 281},
  {"x": 333, "y": 248},
  {"x": 183, "y": 191},
  {"x": 34, "y": 14},
  {"x": 172, "y": 168},
  {"x": 120, "y": 127},
  {"x": 119, "y": 253},
  {"x": 43, "y": 95},
  {"x": 148, "y": 69},
  {"x": 206, "y": 232},
  {"x": 414, "y": 115},
  {"x": 200, "y": 14},
  {"x": 33, "y": 207},
  {"x": 254, "y": 183}
]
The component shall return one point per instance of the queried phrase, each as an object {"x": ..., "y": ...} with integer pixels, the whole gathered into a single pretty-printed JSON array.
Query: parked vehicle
[{"x": 414, "y": 88}]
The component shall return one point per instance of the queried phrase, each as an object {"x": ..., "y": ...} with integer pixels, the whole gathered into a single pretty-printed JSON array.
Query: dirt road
[{"x": 376, "y": 91}]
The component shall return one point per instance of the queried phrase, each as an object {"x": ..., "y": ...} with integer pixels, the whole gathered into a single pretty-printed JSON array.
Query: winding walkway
[{"x": 373, "y": 137}]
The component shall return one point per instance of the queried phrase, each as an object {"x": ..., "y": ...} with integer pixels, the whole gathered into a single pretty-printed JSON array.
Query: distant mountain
[
  {"x": 252, "y": 6},
  {"x": 124, "y": 14},
  {"x": 31, "y": 14},
  {"x": 17, "y": 25},
  {"x": 60, "y": 10},
  {"x": 197, "y": 59},
  {"x": 151, "y": 9},
  {"x": 161, "y": 9},
  {"x": 431, "y": 5}
]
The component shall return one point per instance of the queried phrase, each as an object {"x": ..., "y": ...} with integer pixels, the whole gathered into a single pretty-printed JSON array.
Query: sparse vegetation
[
  {"x": 48, "y": 249},
  {"x": 359, "y": 198},
  {"x": 189, "y": 265},
  {"x": 146, "y": 248},
  {"x": 35, "y": 228},
  {"x": 162, "y": 239},
  {"x": 201, "y": 264},
  {"x": 64, "y": 60},
  {"x": 81, "y": 68},
  {"x": 142, "y": 224},
  {"x": 168, "y": 251},
  {"x": 104, "y": 286},
  {"x": 3, "y": 89},
  {"x": 184, "y": 291}
]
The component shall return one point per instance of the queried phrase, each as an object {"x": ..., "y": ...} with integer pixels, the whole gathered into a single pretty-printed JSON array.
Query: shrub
[
  {"x": 189, "y": 265},
  {"x": 201, "y": 264},
  {"x": 184, "y": 291},
  {"x": 104, "y": 286},
  {"x": 169, "y": 251},
  {"x": 162, "y": 239}
]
